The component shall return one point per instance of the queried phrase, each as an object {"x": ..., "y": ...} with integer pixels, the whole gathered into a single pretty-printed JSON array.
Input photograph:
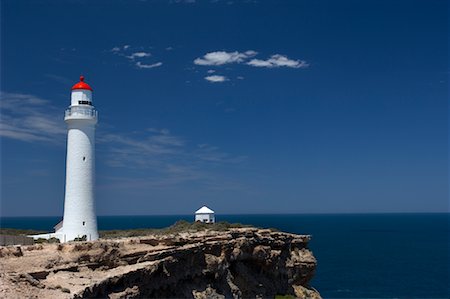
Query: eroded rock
[{"x": 239, "y": 263}]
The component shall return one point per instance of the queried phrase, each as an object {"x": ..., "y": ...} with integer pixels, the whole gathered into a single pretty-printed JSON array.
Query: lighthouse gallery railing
[{"x": 81, "y": 111}]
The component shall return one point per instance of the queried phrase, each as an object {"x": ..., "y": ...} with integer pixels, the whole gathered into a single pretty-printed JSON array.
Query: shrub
[
  {"x": 40, "y": 241},
  {"x": 83, "y": 238}
]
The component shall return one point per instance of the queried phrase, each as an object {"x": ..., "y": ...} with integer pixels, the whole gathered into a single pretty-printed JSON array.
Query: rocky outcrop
[{"x": 238, "y": 263}]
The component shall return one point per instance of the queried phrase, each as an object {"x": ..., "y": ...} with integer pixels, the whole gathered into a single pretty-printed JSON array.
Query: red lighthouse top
[{"x": 82, "y": 85}]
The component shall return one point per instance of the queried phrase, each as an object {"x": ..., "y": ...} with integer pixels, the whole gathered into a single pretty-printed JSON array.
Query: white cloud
[
  {"x": 148, "y": 66},
  {"x": 250, "y": 53},
  {"x": 139, "y": 55},
  {"x": 278, "y": 60},
  {"x": 222, "y": 57},
  {"x": 216, "y": 78}
]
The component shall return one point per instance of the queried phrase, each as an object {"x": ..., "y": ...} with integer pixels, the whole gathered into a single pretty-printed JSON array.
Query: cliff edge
[{"x": 236, "y": 263}]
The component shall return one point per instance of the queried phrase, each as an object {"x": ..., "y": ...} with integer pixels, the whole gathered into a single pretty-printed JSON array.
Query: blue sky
[{"x": 246, "y": 106}]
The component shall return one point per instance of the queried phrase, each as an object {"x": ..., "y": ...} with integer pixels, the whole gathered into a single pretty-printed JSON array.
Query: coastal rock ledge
[{"x": 236, "y": 263}]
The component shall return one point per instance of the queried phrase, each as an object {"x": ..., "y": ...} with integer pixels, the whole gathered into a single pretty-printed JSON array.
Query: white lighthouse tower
[{"x": 79, "y": 204}]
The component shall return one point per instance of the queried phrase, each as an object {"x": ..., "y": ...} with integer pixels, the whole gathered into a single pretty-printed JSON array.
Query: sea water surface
[{"x": 359, "y": 255}]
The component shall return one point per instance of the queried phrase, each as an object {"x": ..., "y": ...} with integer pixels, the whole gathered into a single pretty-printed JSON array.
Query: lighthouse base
[
  {"x": 66, "y": 237},
  {"x": 71, "y": 236}
]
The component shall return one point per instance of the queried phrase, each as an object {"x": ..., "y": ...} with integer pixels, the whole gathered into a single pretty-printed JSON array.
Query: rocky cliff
[{"x": 237, "y": 263}]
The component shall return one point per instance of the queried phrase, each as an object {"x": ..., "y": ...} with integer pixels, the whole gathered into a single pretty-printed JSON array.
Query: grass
[
  {"x": 178, "y": 227},
  {"x": 19, "y": 232}
]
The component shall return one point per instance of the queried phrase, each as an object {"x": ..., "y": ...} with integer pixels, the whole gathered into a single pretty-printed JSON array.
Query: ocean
[{"x": 359, "y": 255}]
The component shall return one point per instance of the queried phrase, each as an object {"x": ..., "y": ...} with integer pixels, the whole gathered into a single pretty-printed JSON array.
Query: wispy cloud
[
  {"x": 29, "y": 118},
  {"x": 182, "y": 1},
  {"x": 147, "y": 66},
  {"x": 216, "y": 78},
  {"x": 222, "y": 57},
  {"x": 59, "y": 79},
  {"x": 207, "y": 152},
  {"x": 164, "y": 159},
  {"x": 141, "y": 149},
  {"x": 137, "y": 58},
  {"x": 278, "y": 60},
  {"x": 229, "y": 110},
  {"x": 155, "y": 156},
  {"x": 158, "y": 146},
  {"x": 139, "y": 55}
]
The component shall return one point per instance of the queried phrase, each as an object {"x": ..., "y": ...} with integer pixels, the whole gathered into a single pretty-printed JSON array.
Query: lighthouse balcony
[{"x": 81, "y": 113}]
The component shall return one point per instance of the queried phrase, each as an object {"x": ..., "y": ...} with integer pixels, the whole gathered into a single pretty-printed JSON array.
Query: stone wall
[{"x": 6, "y": 240}]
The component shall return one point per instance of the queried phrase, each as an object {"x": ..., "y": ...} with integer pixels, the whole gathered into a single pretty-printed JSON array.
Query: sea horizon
[{"x": 287, "y": 213}]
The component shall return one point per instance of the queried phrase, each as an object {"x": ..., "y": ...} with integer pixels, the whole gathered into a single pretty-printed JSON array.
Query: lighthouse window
[
  {"x": 85, "y": 103},
  {"x": 84, "y": 222},
  {"x": 84, "y": 158}
]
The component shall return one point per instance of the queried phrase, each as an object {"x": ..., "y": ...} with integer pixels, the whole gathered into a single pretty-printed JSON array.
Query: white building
[
  {"x": 205, "y": 214},
  {"x": 79, "y": 204}
]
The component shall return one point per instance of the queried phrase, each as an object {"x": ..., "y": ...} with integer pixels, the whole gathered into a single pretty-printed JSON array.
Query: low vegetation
[
  {"x": 19, "y": 232},
  {"x": 178, "y": 227},
  {"x": 42, "y": 240}
]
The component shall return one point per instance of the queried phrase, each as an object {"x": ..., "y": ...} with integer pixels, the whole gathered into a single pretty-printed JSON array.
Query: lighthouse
[{"x": 80, "y": 220}]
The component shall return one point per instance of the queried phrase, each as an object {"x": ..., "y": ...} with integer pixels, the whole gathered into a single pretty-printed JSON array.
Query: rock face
[{"x": 238, "y": 263}]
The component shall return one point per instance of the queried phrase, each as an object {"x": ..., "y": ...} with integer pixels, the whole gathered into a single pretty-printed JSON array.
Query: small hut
[{"x": 205, "y": 214}]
